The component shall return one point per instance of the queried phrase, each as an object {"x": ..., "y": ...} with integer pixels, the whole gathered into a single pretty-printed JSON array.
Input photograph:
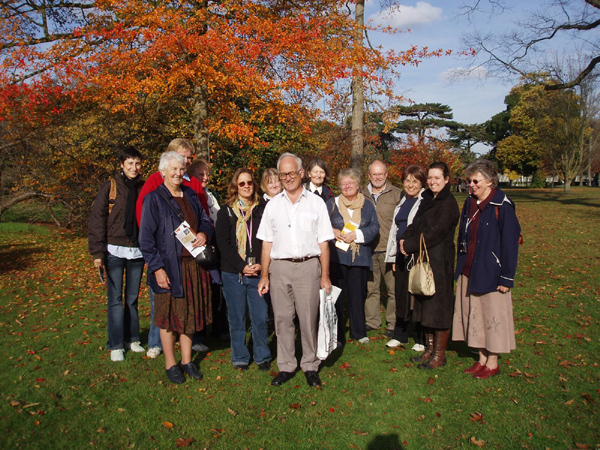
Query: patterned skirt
[
  {"x": 193, "y": 311},
  {"x": 483, "y": 321}
]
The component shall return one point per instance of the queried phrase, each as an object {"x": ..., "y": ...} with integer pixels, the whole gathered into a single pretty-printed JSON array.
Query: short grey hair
[
  {"x": 285, "y": 155},
  {"x": 486, "y": 168},
  {"x": 167, "y": 157},
  {"x": 349, "y": 173}
]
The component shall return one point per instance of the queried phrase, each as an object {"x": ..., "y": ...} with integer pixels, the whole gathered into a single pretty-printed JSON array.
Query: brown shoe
[
  {"x": 428, "y": 353},
  {"x": 439, "y": 351}
]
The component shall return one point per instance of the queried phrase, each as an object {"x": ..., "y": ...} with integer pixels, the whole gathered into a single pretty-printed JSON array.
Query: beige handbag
[{"x": 420, "y": 277}]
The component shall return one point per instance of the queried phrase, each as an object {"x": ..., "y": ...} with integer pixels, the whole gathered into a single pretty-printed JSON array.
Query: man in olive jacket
[{"x": 385, "y": 196}]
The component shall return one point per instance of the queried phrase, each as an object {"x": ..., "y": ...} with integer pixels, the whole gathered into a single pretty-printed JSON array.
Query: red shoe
[
  {"x": 477, "y": 367},
  {"x": 486, "y": 373}
]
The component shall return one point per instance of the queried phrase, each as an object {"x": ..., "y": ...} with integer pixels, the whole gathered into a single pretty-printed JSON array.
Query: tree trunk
[
  {"x": 358, "y": 97},
  {"x": 12, "y": 201},
  {"x": 201, "y": 135}
]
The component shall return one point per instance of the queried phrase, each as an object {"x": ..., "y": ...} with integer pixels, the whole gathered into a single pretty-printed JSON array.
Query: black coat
[
  {"x": 231, "y": 261},
  {"x": 436, "y": 219}
]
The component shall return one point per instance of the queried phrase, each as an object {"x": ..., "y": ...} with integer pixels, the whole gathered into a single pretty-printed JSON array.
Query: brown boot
[
  {"x": 439, "y": 351},
  {"x": 428, "y": 353}
]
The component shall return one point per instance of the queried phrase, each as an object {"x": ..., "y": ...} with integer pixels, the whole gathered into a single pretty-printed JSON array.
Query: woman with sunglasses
[
  {"x": 488, "y": 245},
  {"x": 236, "y": 227}
]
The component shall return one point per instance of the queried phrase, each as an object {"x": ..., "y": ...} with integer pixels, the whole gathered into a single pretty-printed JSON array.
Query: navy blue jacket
[
  {"x": 160, "y": 247},
  {"x": 369, "y": 226},
  {"x": 495, "y": 261}
]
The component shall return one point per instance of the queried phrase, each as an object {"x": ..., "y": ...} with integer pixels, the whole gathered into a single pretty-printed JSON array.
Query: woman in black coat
[{"x": 437, "y": 219}]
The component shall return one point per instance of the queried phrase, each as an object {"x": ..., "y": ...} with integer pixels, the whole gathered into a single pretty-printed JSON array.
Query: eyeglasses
[
  {"x": 244, "y": 183},
  {"x": 292, "y": 175},
  {"x": 475, "y": 182}
]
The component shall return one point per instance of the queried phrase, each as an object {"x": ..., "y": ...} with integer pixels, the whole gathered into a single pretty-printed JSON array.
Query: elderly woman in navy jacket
[
  {"x": 181, "y": 287},
  {"x": 488, "y": 245},
  {"x": 351, "y": 256}
]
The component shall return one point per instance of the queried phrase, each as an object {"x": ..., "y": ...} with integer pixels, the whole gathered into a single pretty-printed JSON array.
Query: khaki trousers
[
  {"x": 373, "y": 301},
  {"x": 294, "y": 291}
]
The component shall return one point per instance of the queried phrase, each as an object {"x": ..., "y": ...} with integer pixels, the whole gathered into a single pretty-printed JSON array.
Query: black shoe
[
  {"x": 281, "y": 378},
  {"x": 240, "y": 366},
  {"x": 191, "y": 370},
  {"x": 175, "y": 375},
  {"x": 369, "y": 328},
  {"x": 264, "y": 366},
  {"x": 389, "y": 333},
  {"x": 312, "y": 378}
]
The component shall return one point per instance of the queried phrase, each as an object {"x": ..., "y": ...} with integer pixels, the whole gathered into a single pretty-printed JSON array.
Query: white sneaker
[
  {"x": 393, "y": 343},
  {"x": 364, "y": 340},
  {"x": 418, "y": 348},
  {"x": 200, "y": 348},
  {"x": 135, "y": 347},
  {"x": 154, "y": 352},
  {"x": 117, "y": 355}
]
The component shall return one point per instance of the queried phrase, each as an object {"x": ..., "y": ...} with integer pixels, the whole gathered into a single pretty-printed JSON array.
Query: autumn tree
[{"x": 550, "y": 132}]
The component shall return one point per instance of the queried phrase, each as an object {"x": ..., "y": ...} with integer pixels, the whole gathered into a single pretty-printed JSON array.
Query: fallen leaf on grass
[
  {"x": 14, "y": 403},
  {"x": 361, "y": 433},
  {"x": 565, "y": 363},
  {"x": 295, "y": 405},
  {"x": 588, "y": 397},
  {"x": 232, "y": 412},
  {"x": 477, "y": 442},
  {"x": 584, "y": 446},
  {"x": 184, "y": 442},
  {"x": 167, "y": 424},
  {"x": 570, "y": 402},
  {"x": 476, "y": 417},
  {"x": 431, "y": 380}
]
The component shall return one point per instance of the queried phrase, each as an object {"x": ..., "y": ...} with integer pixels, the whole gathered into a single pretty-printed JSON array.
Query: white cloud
[
  {"x": 403, "y": 16},
  {"x": 464, "y": 74}
]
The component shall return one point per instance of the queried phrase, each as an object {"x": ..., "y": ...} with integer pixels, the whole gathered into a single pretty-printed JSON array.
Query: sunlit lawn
[{"x": 59, "y": 388}]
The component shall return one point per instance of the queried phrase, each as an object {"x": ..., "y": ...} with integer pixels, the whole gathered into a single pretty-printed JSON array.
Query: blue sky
[{"x": 438, "y": 24}]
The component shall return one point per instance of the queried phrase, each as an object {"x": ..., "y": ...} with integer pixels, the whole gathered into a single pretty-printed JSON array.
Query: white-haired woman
[{"x": 181, "y": 287}]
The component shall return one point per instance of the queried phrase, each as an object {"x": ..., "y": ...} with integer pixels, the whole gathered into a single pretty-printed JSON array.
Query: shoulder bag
[{"x": 420, "y": 277}]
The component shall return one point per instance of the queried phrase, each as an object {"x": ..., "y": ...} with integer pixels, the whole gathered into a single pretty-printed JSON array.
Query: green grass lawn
[{"x": 59, "y": 388}]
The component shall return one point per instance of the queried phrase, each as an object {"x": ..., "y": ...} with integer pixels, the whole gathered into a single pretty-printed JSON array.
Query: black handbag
[{"x": 208, "y": 257}]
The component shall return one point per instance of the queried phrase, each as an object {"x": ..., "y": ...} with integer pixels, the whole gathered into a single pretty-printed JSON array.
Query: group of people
[{"x": 279, "y": 250}]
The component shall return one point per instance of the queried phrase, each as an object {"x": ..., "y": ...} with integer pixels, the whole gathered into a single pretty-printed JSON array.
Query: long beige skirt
[{"x": 483, "y": 321}]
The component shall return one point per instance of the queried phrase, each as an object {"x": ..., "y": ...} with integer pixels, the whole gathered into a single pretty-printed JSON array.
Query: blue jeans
[
  {"x": 123, "y": 322},
  {"x": 239, "y": 291},
  {"x": 153, "y": 332}
]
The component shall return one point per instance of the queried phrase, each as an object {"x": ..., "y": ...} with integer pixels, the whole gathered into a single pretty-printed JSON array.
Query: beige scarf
[
  {"x": 241, "y": 228},
  {"x": 356, "y": 206}
]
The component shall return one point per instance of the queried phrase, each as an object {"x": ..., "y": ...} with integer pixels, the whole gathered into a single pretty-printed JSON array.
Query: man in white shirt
[{"x": 295, "y": 230}]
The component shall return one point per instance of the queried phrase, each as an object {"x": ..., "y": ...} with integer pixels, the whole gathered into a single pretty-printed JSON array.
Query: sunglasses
[
  {"x": 244, "y": 183},
  {"x": 475, "y": 182}
]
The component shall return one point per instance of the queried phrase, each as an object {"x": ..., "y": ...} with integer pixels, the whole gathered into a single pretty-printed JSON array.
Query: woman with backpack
[{"x": 113, "y": 243}]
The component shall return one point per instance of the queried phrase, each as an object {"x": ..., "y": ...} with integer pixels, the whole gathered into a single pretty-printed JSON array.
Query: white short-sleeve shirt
[{"x": 295, "y": 229}]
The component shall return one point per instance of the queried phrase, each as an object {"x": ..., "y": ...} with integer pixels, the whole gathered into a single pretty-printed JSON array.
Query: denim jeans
[
  {"x": 239, "y": 291},
  {"x": 123, "y": 321},
  {"x": 153, "y": 332}
]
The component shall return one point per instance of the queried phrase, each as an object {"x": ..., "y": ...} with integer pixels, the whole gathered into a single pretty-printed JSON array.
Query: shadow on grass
[
  {"x": 385, "y": 442},
  {"x": 17, "y": 256},
  {"x": 558, "y": 197}
]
